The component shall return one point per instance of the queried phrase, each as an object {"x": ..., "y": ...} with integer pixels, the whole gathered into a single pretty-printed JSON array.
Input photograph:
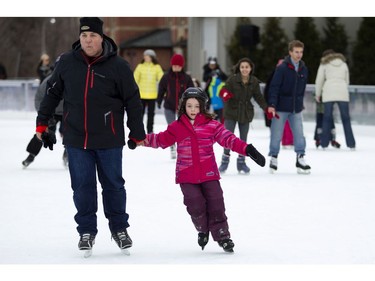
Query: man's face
[
  {"x": 91, "y": 43},
  {"x": 296, "y": 54}
]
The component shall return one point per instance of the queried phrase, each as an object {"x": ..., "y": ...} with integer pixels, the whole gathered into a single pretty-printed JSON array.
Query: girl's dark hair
[
  {"x": 236, "y": 67},
  {"x": 202, "y": 108}
]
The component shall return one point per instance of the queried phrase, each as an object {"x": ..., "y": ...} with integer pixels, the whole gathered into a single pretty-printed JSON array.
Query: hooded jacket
[
  {"x": 287, "y": 88},
  {"x": 195, "y": 152},
  {"x": 332, "y": 79},
  {"x": 171, "y": 87},
  {"x": 240, "y": 108},
  {"x": 95, "y": 96}
]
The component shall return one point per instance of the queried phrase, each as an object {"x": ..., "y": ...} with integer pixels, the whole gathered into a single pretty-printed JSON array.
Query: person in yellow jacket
[{"x": 147, "y": 75}]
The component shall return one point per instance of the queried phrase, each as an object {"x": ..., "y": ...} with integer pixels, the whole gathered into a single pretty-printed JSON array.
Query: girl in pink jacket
[{"x": 195, "y": 132}]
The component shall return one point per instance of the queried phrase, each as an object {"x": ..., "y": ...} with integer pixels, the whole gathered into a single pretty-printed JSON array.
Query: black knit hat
[{"x": 91, "y": 24}]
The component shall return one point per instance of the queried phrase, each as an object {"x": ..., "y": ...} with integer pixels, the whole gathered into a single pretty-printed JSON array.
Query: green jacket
[{"x": 240, "y": 108}]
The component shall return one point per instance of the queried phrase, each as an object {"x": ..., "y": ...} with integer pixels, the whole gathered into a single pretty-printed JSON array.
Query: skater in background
[
  {"x": 285, "y": 96},
  {"x": 212, "y": 68},
  {"x": 237, "y": 93},
  {"x": 332, "y": 86},
  {"x": 287, "y": 139},
  {"x": 44, "y": 68},
  {"x": 195, "y": 132},
  {"x": 97, "y": 86},
  {"x": 319, "y": 127},
  {"x": 171, "y": 86},
  {"x": 214, "y": 84},
  {"x": 147, "y": 74},
  {"x": 35, "y": 145}
]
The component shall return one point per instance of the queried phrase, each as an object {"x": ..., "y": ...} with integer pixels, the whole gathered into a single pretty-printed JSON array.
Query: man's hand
[
  {"x": 271, "y": 113},
  {"x": 133, "y": 143}
]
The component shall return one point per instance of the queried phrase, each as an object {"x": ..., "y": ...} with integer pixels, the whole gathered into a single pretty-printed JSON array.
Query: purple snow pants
[{"x": 205, "y": 204}]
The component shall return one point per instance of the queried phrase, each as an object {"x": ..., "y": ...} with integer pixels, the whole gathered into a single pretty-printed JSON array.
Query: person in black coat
[{"x": 98, "y": 87}]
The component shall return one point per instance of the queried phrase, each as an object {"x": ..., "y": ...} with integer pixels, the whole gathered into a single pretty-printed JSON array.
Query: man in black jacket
[{"x": 97, "y": 87}]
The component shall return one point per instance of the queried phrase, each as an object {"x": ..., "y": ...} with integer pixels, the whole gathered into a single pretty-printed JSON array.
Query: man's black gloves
[
  {"x": 49, "y": 139},
  {"x": 132, "y": 144},
  {"x": 255, "y": 155}
]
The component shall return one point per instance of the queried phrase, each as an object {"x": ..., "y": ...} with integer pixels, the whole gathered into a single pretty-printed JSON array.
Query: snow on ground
[{"x": 282, "y": 219}]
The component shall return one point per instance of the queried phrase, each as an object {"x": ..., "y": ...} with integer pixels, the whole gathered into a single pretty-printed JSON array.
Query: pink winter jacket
[{"x": 195, "y": 153}]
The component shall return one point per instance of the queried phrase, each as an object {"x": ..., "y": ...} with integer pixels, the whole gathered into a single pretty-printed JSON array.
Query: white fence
[{"x": 19, "y": 95}]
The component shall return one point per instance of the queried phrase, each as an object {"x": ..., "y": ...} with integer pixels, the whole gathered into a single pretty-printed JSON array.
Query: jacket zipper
[{"x": 89, "y": 83}]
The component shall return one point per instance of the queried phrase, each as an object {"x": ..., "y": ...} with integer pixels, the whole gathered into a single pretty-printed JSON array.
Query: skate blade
[
  {"x": 125, "y": 252},
  {"x": 229, "y": 251},
  {"x": 303, "y": 172},
  {"x": 87, "y": 253}
]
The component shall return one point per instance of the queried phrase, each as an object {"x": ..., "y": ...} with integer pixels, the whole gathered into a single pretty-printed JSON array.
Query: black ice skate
[
  {"x": 227, "y": 244},
  {"x": 123, "y": 240},
  {"x": 241, "y": 165},
  {"x": 273, "y": 164},
  {"x": 302, "y": 167},
  {"x": 28, "y": 160},
  {"x": 86, "y": 242},
  {"x": 203, "y": 239}
]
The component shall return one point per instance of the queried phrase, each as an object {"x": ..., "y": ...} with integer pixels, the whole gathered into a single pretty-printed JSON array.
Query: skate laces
[
  {"x": 85, "y": 237},
  {"x": 301, "y": 160},
  {"x": 273, "y": 161}
]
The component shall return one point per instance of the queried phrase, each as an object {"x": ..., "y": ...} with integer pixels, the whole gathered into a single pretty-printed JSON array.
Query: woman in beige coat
[{"x": 331, "y": 86}]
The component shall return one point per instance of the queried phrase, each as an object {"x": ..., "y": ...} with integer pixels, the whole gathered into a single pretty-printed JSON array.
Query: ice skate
[
  {"x": 273, "y": 164},
  {"x": 28, "y": 161},
  {"x": 227, "y": 244},
  {"x": 335, "y": 144},
  {"x": 123, "y": 241},
  {"x": 203, "y": 239},
  {"x": 86, "y": 242},
  {"x": 241, "y": 165},
  {"x": 302, "y": 167},
  {"x": 224, "y": 163}
]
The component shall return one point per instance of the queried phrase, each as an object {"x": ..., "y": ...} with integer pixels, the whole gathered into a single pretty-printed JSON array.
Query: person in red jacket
[{"x": 195, "y": 132}]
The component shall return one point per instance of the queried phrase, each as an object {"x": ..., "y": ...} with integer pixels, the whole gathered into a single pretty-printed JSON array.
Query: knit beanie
[
  {"x": 91, "y": 24},
  {"x": 178, "y": 59},
  {"x": 150, "y": 53}
]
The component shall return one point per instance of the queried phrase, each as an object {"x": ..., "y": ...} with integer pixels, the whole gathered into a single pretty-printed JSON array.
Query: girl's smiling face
[{"x": 192, "y": 108}]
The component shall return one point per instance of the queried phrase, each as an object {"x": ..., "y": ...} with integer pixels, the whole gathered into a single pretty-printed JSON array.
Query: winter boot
[
  {"x": 273, "y": 164},
  {"x": 227, "y": 244},
  {"x": 302, "y": 167},
  {"x": 335, "y": 144},
  {"x": 28, "y": 160},
  {"x": 173, "y": 152},
  {"x": 224, "y": 163},
  {"x": 241, "y": 165},
  {"x": 203, "y": 239},
  {"x": 86, "y": 241},
  {"x": 122, "y": 239}
]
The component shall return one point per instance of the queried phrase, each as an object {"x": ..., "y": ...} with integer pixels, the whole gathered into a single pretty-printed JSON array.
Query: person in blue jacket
[{"x": 285, "y": 100}]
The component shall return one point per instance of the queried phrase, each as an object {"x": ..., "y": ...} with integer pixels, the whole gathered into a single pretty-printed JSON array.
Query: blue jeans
[
  {"x": 277, "y": 128},
  {"x": 345, "y": 118},
  {"x": 83, "y": 165}
]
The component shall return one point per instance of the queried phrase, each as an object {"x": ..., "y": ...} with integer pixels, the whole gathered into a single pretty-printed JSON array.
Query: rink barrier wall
[{"x": 18, "y": 95}]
